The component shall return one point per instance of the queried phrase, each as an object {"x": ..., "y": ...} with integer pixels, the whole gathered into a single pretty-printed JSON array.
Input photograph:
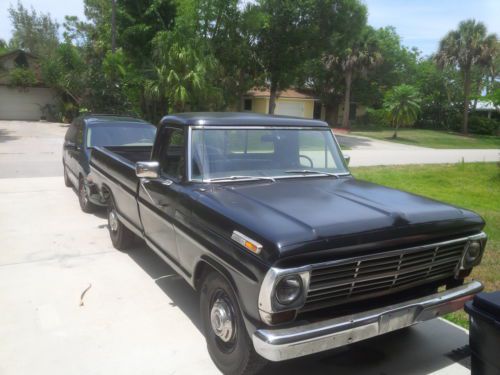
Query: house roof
[
  {"x": 238, "y": 119},
  {"x": 287, "y": 94},
  {"x": 485, "y": 106}
]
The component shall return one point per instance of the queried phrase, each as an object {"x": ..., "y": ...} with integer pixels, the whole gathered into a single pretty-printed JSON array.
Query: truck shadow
[{"x": 422, "y": 349}]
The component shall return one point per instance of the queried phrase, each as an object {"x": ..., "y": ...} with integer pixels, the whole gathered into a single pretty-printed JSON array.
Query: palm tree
[
  {"x": 359, "y": 58},
  {"x": 402, "y": 104},
  {"x": 179, "y": 74},
  {"x": 466, "y": 47}
]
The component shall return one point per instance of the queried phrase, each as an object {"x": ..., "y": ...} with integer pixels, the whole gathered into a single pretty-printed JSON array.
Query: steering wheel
[{"x": 308, "y": 159}]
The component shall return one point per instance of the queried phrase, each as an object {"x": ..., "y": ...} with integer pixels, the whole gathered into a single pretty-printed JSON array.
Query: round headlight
[
  {"x": 289, "y": 289},
  {"x": 473, "y": 252}
]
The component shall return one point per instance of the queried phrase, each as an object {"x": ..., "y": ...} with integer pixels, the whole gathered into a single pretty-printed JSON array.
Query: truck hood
[{"x": 293, "y": 216}]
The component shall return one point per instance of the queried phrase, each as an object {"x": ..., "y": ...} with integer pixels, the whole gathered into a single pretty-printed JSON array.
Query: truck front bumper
[{"x": 303, "y": 339}]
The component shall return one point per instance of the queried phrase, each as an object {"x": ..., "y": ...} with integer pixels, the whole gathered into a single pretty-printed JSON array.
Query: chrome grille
[{"x": 369, "y": 276}]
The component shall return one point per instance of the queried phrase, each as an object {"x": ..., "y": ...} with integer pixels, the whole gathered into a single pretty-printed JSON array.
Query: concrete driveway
[
  {"x": 366, "y": 151},
  {"x": 137, "y": 316}
]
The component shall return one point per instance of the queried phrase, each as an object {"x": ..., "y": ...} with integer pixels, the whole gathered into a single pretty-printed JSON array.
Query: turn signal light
[{"x": 247, "y": 242}]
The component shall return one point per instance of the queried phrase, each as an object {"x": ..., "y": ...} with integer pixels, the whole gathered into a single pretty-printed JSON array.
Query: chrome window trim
[
  {"x": 250, "y": 127},
  {"x": 273, "y": 275},
  {"x": 188, "y": 151},
  {"x": 298, "y": 175}
]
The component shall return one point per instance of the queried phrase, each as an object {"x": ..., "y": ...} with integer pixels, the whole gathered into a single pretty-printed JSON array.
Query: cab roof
[
  {"x": 98, "y": 118},
  {"x": 238, "y": 119}
]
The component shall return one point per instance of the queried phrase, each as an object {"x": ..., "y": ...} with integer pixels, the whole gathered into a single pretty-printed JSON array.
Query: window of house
[{"x": 247, "y": 104}]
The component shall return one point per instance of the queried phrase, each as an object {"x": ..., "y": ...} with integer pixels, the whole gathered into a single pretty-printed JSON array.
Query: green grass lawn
[
  {"x": 475, "y": 186},
  {"x": 432, "y": 138}
]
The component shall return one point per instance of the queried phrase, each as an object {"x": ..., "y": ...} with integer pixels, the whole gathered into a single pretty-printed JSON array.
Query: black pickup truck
[{"x": 290, "y": 254}]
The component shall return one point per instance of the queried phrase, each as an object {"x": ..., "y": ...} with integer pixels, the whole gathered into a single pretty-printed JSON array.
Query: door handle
[{"x": 167, "y": 182}]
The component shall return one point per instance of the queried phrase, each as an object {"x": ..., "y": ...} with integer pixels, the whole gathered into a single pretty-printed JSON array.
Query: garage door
[
  {"x": 24, "y": 104},
  {"x": 289, "y": 108}
]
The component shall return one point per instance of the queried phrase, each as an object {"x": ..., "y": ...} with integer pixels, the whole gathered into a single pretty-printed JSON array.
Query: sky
[{"x": 420, "y": 23}]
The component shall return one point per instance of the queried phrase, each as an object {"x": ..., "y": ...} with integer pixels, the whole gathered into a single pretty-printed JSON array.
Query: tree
[
  {"x": 399, "y": 65},
  {"x": 357, "y": 59},
  {"x": 33, "y": 32},
  {"x": 65, "y": 72},
  {"x": 402, "y": 106},
  {"x": 440, "y": 90},
  {"x": 464, "y": 48},
  {"x": 339, "y": 21},
  {"x": 281, "y": 39}
]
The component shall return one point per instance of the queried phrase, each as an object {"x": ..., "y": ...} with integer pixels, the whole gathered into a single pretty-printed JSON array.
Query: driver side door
[{"x": 159, "y": 198}]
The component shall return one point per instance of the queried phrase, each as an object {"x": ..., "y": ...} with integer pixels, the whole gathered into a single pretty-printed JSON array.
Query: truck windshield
[
  {"x": 121, "y": 134},
  {"x": 219, "y": 154}
]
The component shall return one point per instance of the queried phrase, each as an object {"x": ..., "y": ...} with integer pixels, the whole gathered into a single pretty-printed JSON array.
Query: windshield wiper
[
  {"x": 234, "y": 178},
  {"x": 310, "y": 171}
]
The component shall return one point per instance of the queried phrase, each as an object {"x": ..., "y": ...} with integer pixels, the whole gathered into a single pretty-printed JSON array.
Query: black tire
[
  {"x": 67, "y": 181},
  {"x": 121, "y": 237},
  {"x": 85, "y": 204},
  {"x": 234, "y": 355}
]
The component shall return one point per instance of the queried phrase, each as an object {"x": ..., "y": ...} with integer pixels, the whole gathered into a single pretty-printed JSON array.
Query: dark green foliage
[
  {"x": 22, "y": 77},
  {"x": 483, "y": 125},
  {"x": 34, "y": 32},
  {"x": 373, "y": 119}
]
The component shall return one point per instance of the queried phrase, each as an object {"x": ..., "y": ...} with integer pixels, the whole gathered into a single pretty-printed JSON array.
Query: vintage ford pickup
[{"x": 290, "y": 253}]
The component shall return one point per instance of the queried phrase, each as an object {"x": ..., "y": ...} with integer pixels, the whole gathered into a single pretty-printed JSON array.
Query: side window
[{"x": 172, "y": 161}]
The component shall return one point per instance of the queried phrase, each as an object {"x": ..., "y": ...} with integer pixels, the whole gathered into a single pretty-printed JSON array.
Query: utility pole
[{"x": 113, "y": 26}]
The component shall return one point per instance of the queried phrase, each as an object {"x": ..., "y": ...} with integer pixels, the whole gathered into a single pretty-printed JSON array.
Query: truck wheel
[
  {"x": 121, "y": 237},
  {"x": 67, "y": 181},
  {"x": 83, "y": 197},
  {"x": 227, "y": 339}
]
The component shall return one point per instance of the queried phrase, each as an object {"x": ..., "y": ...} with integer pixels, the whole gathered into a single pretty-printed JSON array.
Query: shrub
[
  {"x": 373, "y": 118},
  {"x": 22, "y": 77},
  {"x": 483, "y": 125}
]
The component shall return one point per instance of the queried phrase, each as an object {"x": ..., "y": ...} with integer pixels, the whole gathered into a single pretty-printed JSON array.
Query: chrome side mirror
[
  {"x": 347, "y": 159},
  {"x": 147, "y": 169}
]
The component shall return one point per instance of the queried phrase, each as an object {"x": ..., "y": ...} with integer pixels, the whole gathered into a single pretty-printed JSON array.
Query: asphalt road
[
  {"x": 371, "y": 152},
  {"x": 137, "y": 316}
]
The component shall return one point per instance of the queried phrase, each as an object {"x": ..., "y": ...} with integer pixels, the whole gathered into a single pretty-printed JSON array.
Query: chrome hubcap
[
  {"x": 113, "y": 220},
  {"x": 221, "y": 318}
]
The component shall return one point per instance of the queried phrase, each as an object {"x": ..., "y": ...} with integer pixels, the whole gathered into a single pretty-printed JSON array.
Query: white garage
[
  {"x": 18, "y": 103},
  {"x": 293, "y": 108}
]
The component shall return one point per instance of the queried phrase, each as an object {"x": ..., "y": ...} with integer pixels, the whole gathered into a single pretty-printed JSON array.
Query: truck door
[{"x": 158, "y": 198}]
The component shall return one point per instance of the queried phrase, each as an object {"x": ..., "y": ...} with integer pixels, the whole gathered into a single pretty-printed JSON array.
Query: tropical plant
[
  {"x": 339, "y": 21},
  {"x": 464, "y": 48},
  {"x": 65, "y": 72},
  {"x": 358, "y": 58},
  {"x": 402, "y": 104},
  {"x": 181, "y": 74}
]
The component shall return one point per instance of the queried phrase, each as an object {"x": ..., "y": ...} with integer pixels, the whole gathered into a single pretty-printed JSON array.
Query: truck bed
[{"x": 113, "y": 171}]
